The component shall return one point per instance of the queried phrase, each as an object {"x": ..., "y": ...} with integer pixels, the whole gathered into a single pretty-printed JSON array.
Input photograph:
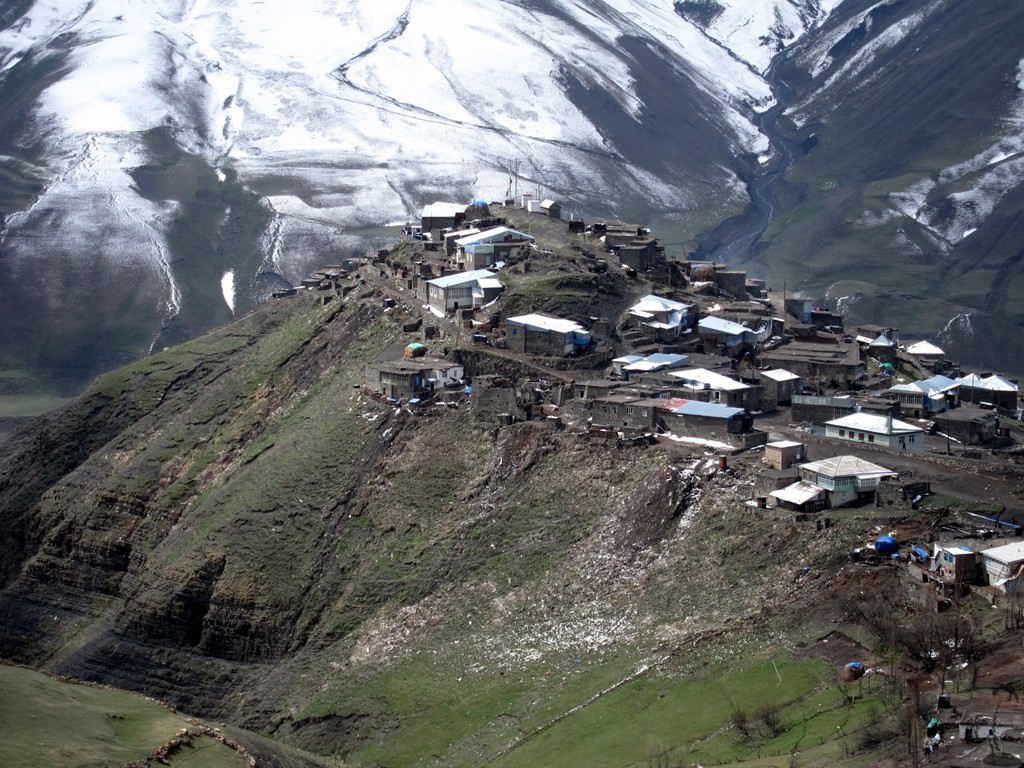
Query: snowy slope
[{"x": 344, "y": 116}]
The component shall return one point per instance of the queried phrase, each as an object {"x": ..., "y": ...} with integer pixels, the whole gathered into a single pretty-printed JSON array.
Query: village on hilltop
[
  {"x": 521, "y": 316},
  {"x": 644, "y": 349}
]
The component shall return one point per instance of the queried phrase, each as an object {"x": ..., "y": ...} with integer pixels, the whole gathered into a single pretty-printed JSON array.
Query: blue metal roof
[
  {"x": 714, "y": 410},
  {"x": 667, "y": 358}
]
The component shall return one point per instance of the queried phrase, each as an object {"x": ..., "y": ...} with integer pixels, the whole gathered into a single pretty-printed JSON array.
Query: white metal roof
[
  {"x": 545, "y": 323},
  {"x": 462, "y": 278},
  {"x": 995, "y": 383},
  {"x": 785, "y": 444},
  {"x": 495, "y": 234},
  {"x": 460, "y": 233},
  {"x": 778, "y": 374},
  {"x": 721, "y": 325},
  {"x": 927, "y": 386},
  {"x": 798, "y": 493},
  {"x": 652, "y": 303},
  {"x": 869, "y": 422},
  {"x": 443, "y": 210},
  {"x": 710, "y": 379},
  {"x": 1008, "y": 553},
  {"x": 1000, "y": 384},
  {"x": 924, "y": 348},
  {"x": 844, "y": 466}
]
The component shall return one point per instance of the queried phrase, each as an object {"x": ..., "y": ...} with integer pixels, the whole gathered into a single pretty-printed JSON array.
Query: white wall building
[{"x": 877, "y": 430}]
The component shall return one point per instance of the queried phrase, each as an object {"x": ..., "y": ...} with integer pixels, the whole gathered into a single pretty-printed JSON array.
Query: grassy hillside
[
  {"x": 231, "y": 526},
  {"x": 52, "y": 723}
]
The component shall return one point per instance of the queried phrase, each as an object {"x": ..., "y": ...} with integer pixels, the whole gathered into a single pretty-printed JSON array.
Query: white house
[
  {"x": 877, "y": 430},
  {"x": 845, "y": 478},
  {"x": 1004, "y": 566},
  {"x": 923, "y": 398},
  {"x": 463, "y": 290},
  {"x": 483, "y": 248},
  {"x": 664, "y": 318}
]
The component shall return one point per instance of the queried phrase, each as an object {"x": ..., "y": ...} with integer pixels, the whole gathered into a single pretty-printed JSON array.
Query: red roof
[{"x": 673, "y": 403}]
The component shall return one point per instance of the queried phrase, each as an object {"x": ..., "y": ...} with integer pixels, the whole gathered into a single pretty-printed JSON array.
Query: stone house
[
  {"x": 994, "y": 390},
  {"x": 702, "y": 384},
  {"x": 783, "y": 454},
  {"x": 834, "y": 365},
  {"x": 780, "y": 385},
  {"x": 701, "y": 419},
  {"x": 413, "y": 378},
  {"x": 536, "y": 334},
  {"x": 551, "y": 208},
  {"x": 732, "y": 338},
  {"x": 438, "y": 216},
  {"x": 968, "y": 426},
  {"x": 624, "y": 411}
]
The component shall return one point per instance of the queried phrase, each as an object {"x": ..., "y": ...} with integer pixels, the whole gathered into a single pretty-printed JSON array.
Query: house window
[
  {"x": 871, "y": 438},
  {"x": 842, "y": 433},
  {"x": 860, "y": 435}
]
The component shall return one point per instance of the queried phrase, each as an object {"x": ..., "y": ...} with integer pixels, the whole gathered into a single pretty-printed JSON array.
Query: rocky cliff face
[{"x": 230, "y": 503}]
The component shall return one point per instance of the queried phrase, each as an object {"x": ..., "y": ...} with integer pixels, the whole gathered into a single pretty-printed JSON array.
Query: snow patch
[{"x": 227, "y": 288}]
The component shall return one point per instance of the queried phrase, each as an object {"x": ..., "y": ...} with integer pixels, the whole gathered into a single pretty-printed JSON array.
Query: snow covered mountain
[
  {"x": 163, "y": 160},
  {"x": 165, "y": 163}
]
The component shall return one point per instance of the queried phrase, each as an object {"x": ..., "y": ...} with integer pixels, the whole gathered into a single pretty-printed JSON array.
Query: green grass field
[{"x": 48, "y": 723}]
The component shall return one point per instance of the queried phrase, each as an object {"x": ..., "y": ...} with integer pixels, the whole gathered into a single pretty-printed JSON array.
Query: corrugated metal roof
[
  {"x": 798, "y": 493},
  {"x": 652, "y": 303},
  {"x": 924, "y": 348},
  {"x": 710, "y": 378},
  {"x": 869, "y": 422},
  {"x": 495, "y": 234},
  {"x": 999, "y": 384},
  {"x": 785, "y": 444},
  {"x": 461, "y": 278},
  {"x": 720, "y": 325},
  {"x": 844, "y": 466},
  {"x": 712, "y": 410},
  {"x": 926, "y": 386},
  {"x": 777, "y": 374},
  {"x": 545, "y": 323}
]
